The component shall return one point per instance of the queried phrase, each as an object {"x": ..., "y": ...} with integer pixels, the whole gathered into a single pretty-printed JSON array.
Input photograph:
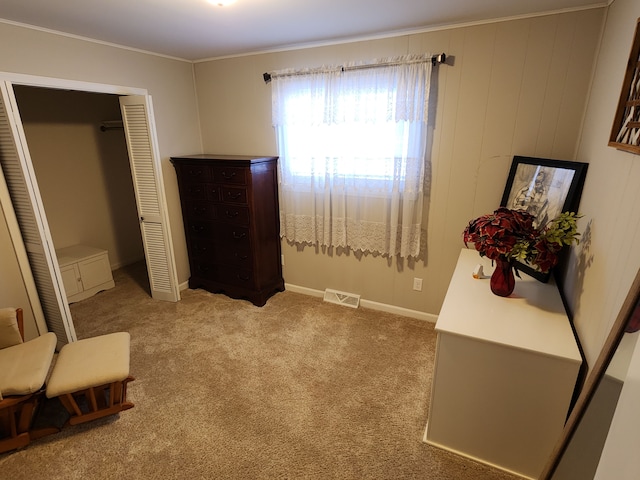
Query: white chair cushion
[
  {"x": 9, "y": 332},
  {"x": 90, "y": 362},
  {"x": 24, "y": 367}
]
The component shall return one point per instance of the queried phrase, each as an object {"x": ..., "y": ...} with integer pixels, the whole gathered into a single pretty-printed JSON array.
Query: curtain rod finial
[{"x": 440, "y": 58}]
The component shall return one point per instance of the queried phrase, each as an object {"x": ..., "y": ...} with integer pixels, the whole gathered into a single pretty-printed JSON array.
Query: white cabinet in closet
[{"x": 85, "y": 271}]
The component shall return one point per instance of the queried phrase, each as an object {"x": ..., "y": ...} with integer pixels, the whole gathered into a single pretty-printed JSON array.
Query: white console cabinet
[
  {"x": 85, "y": 271},
  {"x": 504, "y": 372}
]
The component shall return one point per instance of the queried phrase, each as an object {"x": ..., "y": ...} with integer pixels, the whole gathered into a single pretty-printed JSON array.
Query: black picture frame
[{"x": 545, "y": 188}]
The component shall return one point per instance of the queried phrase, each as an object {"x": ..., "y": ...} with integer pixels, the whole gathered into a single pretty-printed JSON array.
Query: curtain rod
[{"x": 435, "y": 60}]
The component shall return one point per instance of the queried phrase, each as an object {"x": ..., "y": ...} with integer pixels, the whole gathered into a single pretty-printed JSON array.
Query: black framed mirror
[{"x": 577, "y": 452}]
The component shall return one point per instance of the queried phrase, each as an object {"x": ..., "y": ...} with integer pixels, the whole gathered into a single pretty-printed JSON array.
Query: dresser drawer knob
[
  {"x": 199, "y": 210},
  {"x": 197, "y": 228},
  {"x": 232, "y": 214},
  {"x": 244, "y": 278},
  {"x": 238, "y": 236},
  {"x": 228, "y": 175},
  {"x": 241, "y": 257},
  {"x": 195, "y": 173},
  {"x": 234, "y": 195}
]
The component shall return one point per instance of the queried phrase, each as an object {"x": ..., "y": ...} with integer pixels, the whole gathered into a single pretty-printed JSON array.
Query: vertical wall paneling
[{"x": 510, "y": 91}]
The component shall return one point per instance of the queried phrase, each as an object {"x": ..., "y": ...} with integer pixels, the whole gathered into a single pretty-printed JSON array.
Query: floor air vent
[{"x": 342, "y": 298}]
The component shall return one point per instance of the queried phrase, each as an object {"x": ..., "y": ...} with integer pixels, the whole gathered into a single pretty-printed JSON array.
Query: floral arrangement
[{"x": 510, "y": 235}]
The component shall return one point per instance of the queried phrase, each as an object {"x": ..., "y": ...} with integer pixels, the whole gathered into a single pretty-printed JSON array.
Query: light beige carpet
[{"x": 297, "y": 389}]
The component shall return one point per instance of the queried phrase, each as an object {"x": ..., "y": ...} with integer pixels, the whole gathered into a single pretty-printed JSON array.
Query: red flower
[
  {"x": 510, "y": 234},
  {"x": 494, "y": 235},
  {"x": 546, "y": 255}
]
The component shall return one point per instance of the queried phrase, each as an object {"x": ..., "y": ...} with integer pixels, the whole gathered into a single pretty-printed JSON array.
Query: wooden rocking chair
[{"x": 23, "y": 370}]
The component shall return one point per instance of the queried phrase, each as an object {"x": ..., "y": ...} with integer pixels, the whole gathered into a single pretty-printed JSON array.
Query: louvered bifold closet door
[
  {"x": 137, "y": 116},
  {"x": 27, "y": 204}
]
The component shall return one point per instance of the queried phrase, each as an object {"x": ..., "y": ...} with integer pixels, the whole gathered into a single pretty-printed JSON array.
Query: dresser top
[
  {"x": 532, "y": 318},
  {"x": 240, "y": 159}
]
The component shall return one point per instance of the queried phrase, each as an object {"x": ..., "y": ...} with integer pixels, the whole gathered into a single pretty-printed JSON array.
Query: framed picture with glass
[{"x": 544, "y": 188}]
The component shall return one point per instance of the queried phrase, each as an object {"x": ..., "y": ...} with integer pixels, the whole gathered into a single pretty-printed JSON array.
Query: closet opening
[
  {"x": 64, "y": 178},
  {"x": 83, "y": 173}
]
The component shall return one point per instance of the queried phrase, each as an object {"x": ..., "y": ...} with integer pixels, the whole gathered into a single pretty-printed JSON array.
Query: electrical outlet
[
  {"x": 417, "y": 284},
  {"x": 282, "y": 259}
]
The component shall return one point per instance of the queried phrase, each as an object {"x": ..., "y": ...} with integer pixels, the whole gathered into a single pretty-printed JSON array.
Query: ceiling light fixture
[{"x": 222, "y": 3}]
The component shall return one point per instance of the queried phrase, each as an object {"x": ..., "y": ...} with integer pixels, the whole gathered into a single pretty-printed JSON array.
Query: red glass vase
[{"x": 502, "y": 280}]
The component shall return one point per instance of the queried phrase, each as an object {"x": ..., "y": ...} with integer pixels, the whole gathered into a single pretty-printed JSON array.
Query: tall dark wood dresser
[{"x": 231, "y": 220}]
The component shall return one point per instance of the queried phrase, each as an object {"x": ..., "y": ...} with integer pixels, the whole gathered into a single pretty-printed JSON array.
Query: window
[{"x": 352, "y": 145}]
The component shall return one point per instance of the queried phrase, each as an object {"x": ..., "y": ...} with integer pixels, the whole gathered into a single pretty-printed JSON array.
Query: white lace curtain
[{"x": 352, "y": 146}]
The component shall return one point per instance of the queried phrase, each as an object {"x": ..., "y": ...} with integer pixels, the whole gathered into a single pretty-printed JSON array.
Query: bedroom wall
[
  {"x": 516, "y": 87},
  {"x": 606, "y": 262},
  {"x": 83, "y": 173},
  {"x": 610, "y": 250}
]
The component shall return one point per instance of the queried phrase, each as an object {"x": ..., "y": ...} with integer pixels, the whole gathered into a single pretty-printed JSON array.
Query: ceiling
[{"x": 196, "y": 29}]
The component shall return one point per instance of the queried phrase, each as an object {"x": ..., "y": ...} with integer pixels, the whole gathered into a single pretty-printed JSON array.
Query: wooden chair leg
[
  {"x": 126, "y": 405},
  {"x": 16, "y": 415},
  {"x": 70, "y": 404},
  {"x": 26, "y": 417},
  {"x": 14, "y": 443},
  {"x": 8, "y": 425},
  {"x": 98, "y": 405}
]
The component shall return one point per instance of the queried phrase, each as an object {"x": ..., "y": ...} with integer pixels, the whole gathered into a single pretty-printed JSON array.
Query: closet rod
[
  {"x": 435, "y": 60},
  {"x": 111, "y": 125}
]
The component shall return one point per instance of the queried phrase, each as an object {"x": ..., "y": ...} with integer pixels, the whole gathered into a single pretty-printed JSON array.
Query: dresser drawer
[
  {"x": 233, "y": 213},
  {"x": 195, "y": 173},
  {"x": 238, "y": 256},
  {"x": 202, "y": 210},
  {"x": 205, "y": 270},
  {"x": 237, "y": 276},
  {"x": 196, "y": 191},
  {"x": 234, "y": 195},
  {"x": 236, "y": 175},
  {"x": 230, "y": 237},
  {"x": 202, "y": 249},
  {"x": 200, "y": 229}
]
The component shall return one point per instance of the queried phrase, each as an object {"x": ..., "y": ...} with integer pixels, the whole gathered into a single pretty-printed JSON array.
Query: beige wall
[
  {"x": 517, "y": 87},
  {"x": 168, "y": 81},
  {"x": 606, "y": 262},
  {"x": 83, "y": 173},
  {"x": 609, "y": 256}
]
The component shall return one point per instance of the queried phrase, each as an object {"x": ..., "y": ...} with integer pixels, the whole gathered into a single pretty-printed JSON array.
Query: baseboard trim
[
  {"x": 124, "y": 263},
  {"x": 381, "y": 307},
  {"x": 471, "y": 457}
]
